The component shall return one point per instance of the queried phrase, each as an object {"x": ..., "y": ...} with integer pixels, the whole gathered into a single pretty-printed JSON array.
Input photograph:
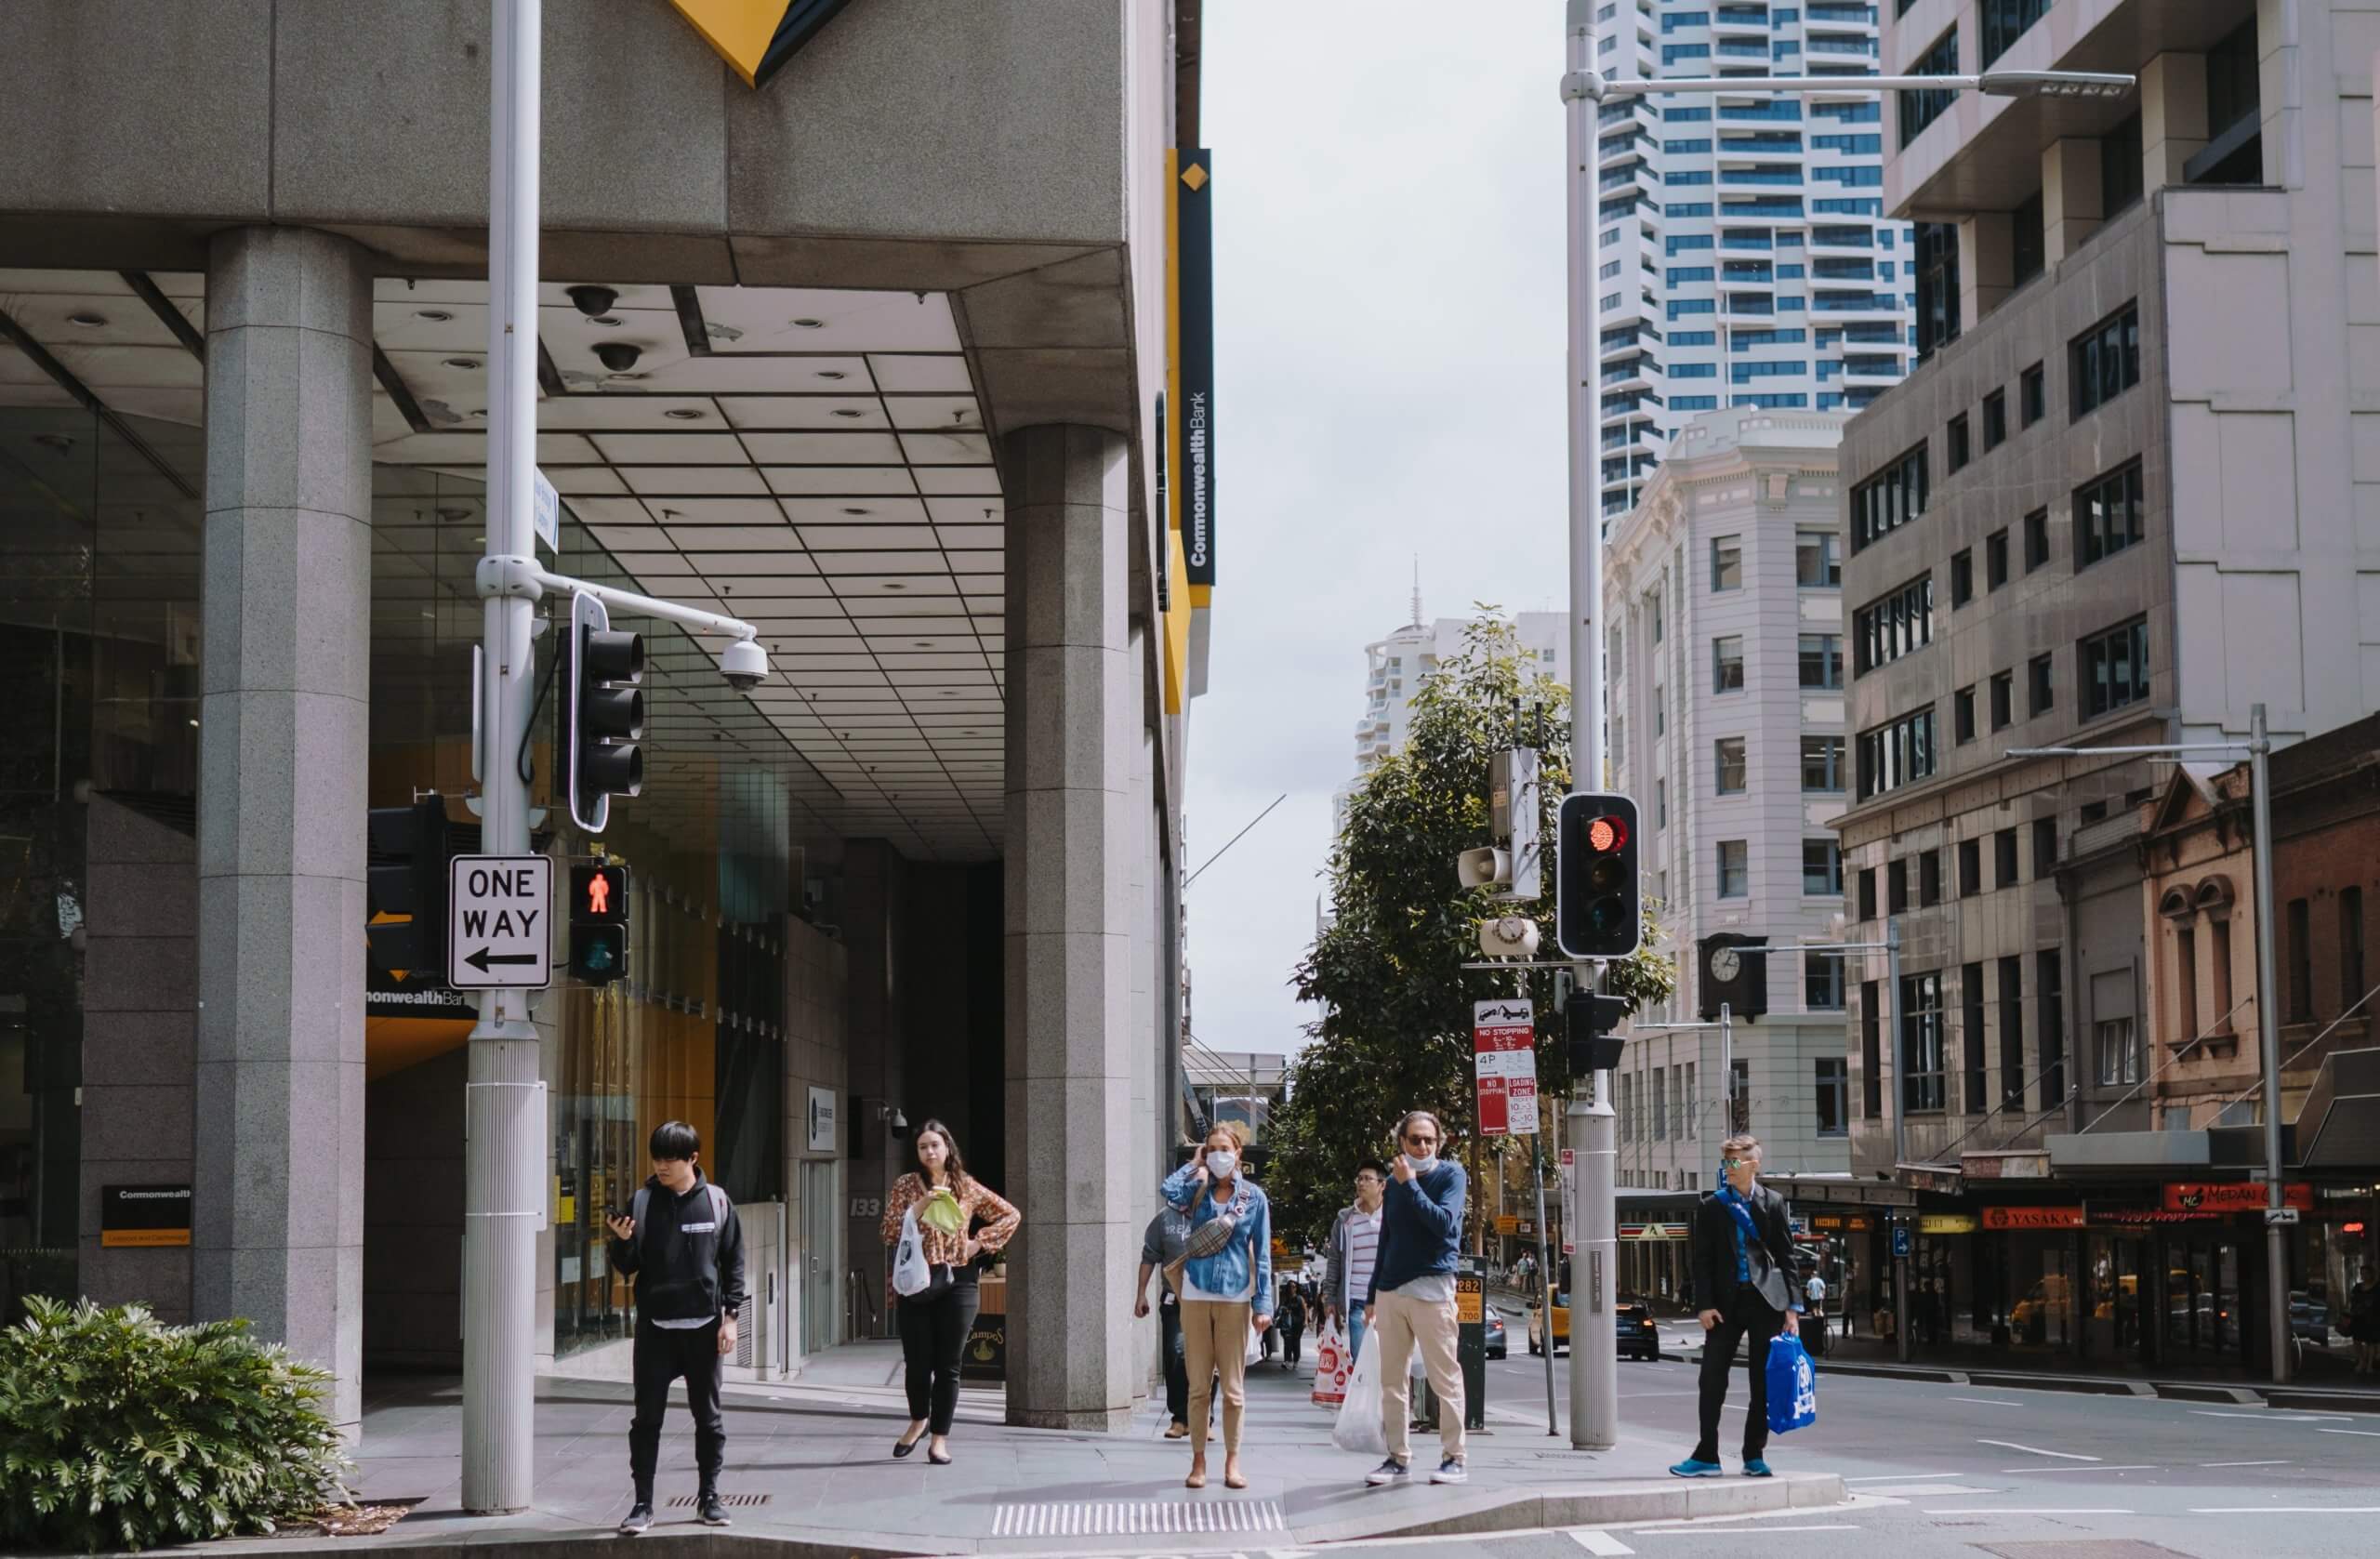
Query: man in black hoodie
[{"x": 681, "y": 1243}]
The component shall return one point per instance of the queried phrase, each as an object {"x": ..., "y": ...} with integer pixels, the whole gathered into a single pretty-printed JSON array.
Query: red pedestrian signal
[{"x": 599, "y": 922}]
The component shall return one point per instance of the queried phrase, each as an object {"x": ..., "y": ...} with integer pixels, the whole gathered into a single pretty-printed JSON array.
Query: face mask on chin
[
  {"x": 1221, "y": 1163},
  {"x": 1423, "y": 1166}
]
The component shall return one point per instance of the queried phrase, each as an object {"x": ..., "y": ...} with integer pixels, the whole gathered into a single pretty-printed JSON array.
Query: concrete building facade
[{"x": 872, "y": 355}]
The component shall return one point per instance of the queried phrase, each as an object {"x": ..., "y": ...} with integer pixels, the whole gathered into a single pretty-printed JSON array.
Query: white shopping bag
[
  {"x": 1360, "y": 1427},
  {"x": 1331, "y": 1368},
  {"x": 911, "y": 1275}
]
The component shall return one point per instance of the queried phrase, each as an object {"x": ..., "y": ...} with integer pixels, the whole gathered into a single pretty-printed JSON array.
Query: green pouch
[{"x": 941, "y": 1211}]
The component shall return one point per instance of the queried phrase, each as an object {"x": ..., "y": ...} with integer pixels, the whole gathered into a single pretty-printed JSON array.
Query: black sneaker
[
  {"x": 1451, "y": 1471},
  {"x": 709, "y": 1510},
  {"x": 1387, "y": 1473},
  {"x": 639, "y": 1518}
]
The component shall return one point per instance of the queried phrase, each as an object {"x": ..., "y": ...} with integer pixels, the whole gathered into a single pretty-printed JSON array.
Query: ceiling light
[
  {"x": 479, "y": 541},
  {"x": 921, "y": 644},
  {"x": 435, "y": 316},
  {"x": 465, "y": 362},
  {"x": 832, "y": 373},
  {"x": 87, "y": 320},
  {"x": 683, "y": 414},
  {"x": 855, "y": 511},
  {"x": 810, "y": 324},
  {"x": 849, "y": 411},
  {"x": 895, "y": 585},
  {"x": 606, "y": 320},
  {"x": 454, "y": 516},
  {"x": 430, "y": 613}
]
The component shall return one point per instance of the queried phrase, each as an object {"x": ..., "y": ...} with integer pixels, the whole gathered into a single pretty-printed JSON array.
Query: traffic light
[
  {"x": 1587, "y": 1024},
  {"x": 604, "y": 715},
  {"x": 406, "y": 850},
  {"x": 1598, "y": 899},
  {"x": 599, "y": 923}
]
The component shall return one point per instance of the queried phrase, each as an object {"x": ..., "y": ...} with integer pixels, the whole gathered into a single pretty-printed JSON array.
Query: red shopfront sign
[
  {"x": 2231, "y": 1196},
  {"x": 2033, "y": 1218}
]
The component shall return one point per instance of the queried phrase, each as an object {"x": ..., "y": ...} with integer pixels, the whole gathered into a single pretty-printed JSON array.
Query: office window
[
  {"x": 2114, "y": 668},
  {"x": 2094, "y": 811},
  {"x": 2235, "y": 156},
  {"x": 2049, "y": 991},
  {"x": 2036, "y": 539},
  {"x": 1831, "y": 1079},
  {"x": 1970, "y": 867},
  {"x": 1890, "y": 499},
  {"x": 1897, "y": 753},
  {"x": 2121, "y": 172},
  {"x": 2028, "y": 241},
  {"x": 2012, "y": 1034},
  {"x": 1871, "y": 1052},
  {"x": 1660, "y": 711},
  {"x": 1921, "y": 107},
  {"x": 1934, "y": 269},
  {"x": 1822, "y": 763},
  {"x": 1815, "y": 565},
  {"x": 1973, "y": 1046},
  {"x": 2351, "y": 986},
  {"x": 2119, "y": 1052},
  {"x": 2003, "y": 858},
  {"x": 1661, "y": 804},
  {"x": 1659, "y": 618},
  {"x": 2003, "y": 23},
  {"x": 1822, "y": 660},
  {"x": 1963, "y": 714},
  {"x": 2032, "y": 395},
  {"x": 1892, "y": 626},
  {"x": 1961, "y": 577},
  {"x": 2037, "y": 688},
  {"x": 1660, "y": 1113},
  {"x": 1735, "y": 868},
  {"x": 2301, "y": 961},
  {"x": 1727, "y": 662},
  {"x": 2109, "y": 515},
  {"x": 1960, "y": 452},
  {"x": 1995, "y": 560},
  {"x": 1868, "y": 893},
  {"x": 2045, "y": 847},
  {"x": 2186, "y": 980},
  {"x": 1920, "y": 1043},
  {"x": 2002, "y": 690},
  {"x": 1823, "y": 982},
  {"x": 2103, "y": 361},
  {"x": 1995, "y": 420},
  {"x": 1821, "y": 868},
  {"x": 1727, "y": 564},
  {"x": 1730, "y": 765},
  {"x": 1929, "y": 878},
  {"x": 1897, "y": 887}
]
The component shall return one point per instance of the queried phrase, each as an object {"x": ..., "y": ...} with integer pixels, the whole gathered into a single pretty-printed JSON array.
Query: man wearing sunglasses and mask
[
  {"x": 1411, "y": 1300},
  {"x": 1743, "y": 1264}
]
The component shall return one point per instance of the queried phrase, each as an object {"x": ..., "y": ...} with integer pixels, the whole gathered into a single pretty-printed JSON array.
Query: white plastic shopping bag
[
  {"x": 911, "y": 1275},
  {"x": 1360, "y": 1427},
  {"x": 1331, "y": 1368}
]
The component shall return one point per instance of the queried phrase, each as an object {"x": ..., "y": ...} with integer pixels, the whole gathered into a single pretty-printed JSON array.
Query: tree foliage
[{"x": 1387, "y": 973}]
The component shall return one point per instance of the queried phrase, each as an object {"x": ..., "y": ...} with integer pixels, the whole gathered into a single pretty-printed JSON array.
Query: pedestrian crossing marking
[
  {"x": 1078, "y": 1518},
  {"x": 1600, "y": 1542}
]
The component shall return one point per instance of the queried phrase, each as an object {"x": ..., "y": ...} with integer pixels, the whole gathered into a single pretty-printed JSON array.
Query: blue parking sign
[{"x": 1901, "y": 1241}]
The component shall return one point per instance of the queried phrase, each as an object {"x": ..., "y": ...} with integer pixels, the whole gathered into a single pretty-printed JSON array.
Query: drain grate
[
  {"x": 1088, "y": 1518},
  {"x": 736, "y": 1502}
]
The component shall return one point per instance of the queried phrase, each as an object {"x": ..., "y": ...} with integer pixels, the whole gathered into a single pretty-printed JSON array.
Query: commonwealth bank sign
[{"x": 757, "y": 36}]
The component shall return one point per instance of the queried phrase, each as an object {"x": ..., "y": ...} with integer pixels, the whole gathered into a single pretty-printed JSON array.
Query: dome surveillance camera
[
  {"x": 592, "y": 300},
  {"x": 744, "y": 665},
  {"x": 618, "y": 356}
]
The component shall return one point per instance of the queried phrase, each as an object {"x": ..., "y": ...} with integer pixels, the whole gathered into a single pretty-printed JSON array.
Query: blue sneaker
[
  {"x": 1757, "y": 1469},
  {"x": 1690, "y": 1468}
]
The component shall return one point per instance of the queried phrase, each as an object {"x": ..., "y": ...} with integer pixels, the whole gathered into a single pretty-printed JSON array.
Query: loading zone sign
[{"x": 498, "y": 936}]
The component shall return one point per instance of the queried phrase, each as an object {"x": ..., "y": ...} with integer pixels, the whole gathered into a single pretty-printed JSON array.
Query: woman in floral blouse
[{"x": 934, "y": 1324}]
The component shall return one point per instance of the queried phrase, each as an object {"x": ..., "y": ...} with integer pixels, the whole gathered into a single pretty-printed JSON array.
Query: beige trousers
[
  {"x": 1403, "y": 1325},
  {"x": 1214, "y": 1342}
]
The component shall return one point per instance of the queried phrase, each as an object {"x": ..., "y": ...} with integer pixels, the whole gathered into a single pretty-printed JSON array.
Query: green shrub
[{"x": 117, "y": 1432}]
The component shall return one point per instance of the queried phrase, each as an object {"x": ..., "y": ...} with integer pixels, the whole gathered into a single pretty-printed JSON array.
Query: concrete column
[
  {"x": 2073, "y": 201},
  {"x": 1139, "y": 908},
  {"x": 1987, "y": 265},
  {"x": 283, "y": 729},
  {"x": 2173, "y": 117},
  {"x": 1072, "y": 732}
]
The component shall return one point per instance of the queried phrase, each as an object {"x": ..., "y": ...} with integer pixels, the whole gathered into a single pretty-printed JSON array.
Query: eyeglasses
[
  {"x": 1733, "y": 1163},
  {"x": 1420, "y": 1142}
]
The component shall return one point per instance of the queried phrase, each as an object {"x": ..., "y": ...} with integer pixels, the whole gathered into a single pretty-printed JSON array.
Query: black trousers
[
  {"x": 933, "y": 1333},
  {"x": 1745, "y": 1315},
  {"x": 663, "y": 1354},
  {"x": 1292, "y": 1339},
  {"x": 1177, "y": 1363}
]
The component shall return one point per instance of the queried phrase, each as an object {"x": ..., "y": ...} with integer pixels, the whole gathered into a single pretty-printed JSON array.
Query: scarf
[{"x": 1744, "y": 1230}]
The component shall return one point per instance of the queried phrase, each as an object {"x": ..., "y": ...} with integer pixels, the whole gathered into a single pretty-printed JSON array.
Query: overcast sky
[{"x": 1388, "y": 215}]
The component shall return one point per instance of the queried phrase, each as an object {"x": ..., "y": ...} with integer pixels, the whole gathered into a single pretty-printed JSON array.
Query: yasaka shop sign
[{"x": 1504, "y": 1043}]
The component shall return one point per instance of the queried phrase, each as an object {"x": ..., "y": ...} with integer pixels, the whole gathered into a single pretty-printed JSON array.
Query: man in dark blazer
[{"x": 1743, "y": 1275}]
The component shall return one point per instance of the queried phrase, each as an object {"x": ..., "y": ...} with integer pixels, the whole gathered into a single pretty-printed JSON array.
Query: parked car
[
  {"x": 2309, "y": 1319},
  {"x": 1633, "y": 1332}
]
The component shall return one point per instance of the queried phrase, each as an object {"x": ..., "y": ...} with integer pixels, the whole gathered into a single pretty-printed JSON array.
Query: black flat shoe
[
  {"x": 938, "y": 1461},
  {"x": 902, "y": 1448}
]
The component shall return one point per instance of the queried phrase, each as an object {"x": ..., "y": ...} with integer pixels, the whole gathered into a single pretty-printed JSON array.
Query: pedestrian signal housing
[
  {"x": 1598, "y": 899},
  {"x": 604, "y": 719},
  {"x": 598, "y": 924},
  {"x": 406, "y": 850}
]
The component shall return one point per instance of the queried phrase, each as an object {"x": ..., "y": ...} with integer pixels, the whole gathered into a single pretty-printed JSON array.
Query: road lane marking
[
  {"x": 2367, "y": 1433},
  {"x": 1923, "y": 1490},
  {"x": 1985, "y": 1401},
  {"x": 2140, "y": 1467},
  {"x": 1741, "y": 1531},
  {"x": 2273, "y": 1415},
  {"x": 1897, "y": 1477},
  {"x": 2284, "y": 1510},
  {"x": 2244, "y": 1464},
  {"x": 2038, "y": 1510},
  {"x": 1601, "y": 1543},
  {"x": 2036, "y": 1450}
]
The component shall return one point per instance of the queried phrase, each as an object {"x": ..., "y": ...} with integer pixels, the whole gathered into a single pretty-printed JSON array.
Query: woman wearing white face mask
[{"x": 1226, "y": 1285}]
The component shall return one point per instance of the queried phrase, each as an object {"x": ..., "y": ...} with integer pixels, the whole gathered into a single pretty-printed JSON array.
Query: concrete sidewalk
[{"x": 809, "y": 1466}]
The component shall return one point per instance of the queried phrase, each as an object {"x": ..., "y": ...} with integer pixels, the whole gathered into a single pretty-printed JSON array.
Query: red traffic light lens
[{"x": 1605, "y": 834}]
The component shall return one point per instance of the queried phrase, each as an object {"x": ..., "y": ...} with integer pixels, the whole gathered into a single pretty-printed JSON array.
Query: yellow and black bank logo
[{"x": 757, "y": 36}]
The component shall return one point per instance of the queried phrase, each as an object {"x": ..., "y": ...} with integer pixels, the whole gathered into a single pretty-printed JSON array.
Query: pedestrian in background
[
  {"x": 1290, "y": 1317},
  {"x": 934, "y": 1323},
  {"x": 1413, "y": 1297},
  {"x": 1354, "y": 1248},
  {"x": 1226, "y": 1283},
  {"x": 2363, "y": 1323},
  {"x": 681, "y": 1243},
  {"x": 1813, "y": 1303},
  {"x": 1162, "y": 1244},
  {"x": 1742, "y": 1250}
]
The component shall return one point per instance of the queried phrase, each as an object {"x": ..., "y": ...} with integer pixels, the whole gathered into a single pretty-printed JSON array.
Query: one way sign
[{"x": 498, "y": 936}]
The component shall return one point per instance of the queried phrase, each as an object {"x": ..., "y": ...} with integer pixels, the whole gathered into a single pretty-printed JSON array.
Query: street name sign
[{"x": 498, "y": 935}]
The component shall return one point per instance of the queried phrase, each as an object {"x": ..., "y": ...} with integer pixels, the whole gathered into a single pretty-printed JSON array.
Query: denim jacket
[{"x": 1227, "y": 1272}]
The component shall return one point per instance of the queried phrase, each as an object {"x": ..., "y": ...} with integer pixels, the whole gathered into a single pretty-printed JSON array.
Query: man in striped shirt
[{"x": 1355, "y": 1241}]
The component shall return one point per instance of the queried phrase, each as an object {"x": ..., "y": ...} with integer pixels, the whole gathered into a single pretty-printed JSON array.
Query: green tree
[{"x": 1387, "y": 973}]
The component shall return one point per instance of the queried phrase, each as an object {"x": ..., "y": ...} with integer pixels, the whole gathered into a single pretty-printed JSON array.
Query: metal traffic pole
[{"x": 1901, "y": 1133}]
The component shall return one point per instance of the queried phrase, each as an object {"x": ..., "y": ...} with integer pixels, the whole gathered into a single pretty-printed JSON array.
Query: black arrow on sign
[{"x": 481, "y": 960}]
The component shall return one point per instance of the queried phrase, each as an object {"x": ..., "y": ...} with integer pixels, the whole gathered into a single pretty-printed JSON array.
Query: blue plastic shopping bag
[{"x": 1792, "y": 1387}]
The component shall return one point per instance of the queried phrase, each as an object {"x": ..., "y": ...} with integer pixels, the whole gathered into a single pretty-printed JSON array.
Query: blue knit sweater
[{"x": 1421, "y": 1227}]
